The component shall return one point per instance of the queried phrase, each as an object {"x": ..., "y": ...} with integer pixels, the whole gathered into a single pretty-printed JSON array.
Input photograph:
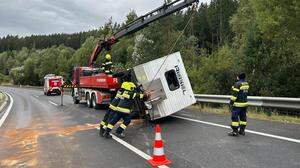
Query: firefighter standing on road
[
  {"x": 107, "y": 66},
  {"x": 124, "y": 109},
  {"x": 238, "y": 103}
]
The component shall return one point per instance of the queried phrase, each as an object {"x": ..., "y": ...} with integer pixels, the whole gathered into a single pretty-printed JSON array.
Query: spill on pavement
[{"x": 19, "y": 147}]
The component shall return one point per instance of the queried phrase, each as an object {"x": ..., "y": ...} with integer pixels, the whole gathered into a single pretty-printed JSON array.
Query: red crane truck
[{"x": 97, "y": 88}]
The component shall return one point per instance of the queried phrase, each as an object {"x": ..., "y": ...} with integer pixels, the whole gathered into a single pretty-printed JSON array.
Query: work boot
[
  {"x": 242, "y": 131},
  {"x": 233, "y": 133},
  {"x": 120, "y": 135},
  {"x": 102, "y": 131},
  {"x": 107, "y": 134}
]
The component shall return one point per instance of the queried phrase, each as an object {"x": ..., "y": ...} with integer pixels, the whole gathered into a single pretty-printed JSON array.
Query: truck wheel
[
  {"x": 76, "y": 101},
  {"x": 88, "y": 101},
  {"x": 94, "y": 102}
]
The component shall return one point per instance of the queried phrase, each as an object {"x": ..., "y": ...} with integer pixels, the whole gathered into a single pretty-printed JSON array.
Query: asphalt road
[{"x": 38, "y": 132}]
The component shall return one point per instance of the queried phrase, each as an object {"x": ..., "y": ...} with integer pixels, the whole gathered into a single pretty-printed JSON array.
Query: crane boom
[{"x": 138, "y": 24}]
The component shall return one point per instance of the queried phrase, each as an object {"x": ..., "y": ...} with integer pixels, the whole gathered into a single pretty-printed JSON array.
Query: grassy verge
[
  {"x": 252, "y": 113},
  {"x": 2, "y": 98}
]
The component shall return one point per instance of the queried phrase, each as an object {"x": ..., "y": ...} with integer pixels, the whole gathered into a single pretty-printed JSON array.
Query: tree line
[{"x": 216, "y": 40}]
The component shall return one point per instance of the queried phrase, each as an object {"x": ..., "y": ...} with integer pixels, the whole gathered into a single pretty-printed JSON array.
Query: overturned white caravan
[{"x": 167, "y": 80}]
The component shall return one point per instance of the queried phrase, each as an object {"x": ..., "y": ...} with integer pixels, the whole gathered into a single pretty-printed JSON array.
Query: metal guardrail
[{"x": 257, "y": 101}]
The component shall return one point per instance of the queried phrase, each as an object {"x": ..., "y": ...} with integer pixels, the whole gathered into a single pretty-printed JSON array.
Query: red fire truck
[{"x": 52, "y": 84}]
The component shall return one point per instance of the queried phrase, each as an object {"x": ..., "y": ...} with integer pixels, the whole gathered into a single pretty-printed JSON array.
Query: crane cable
[{"x": 174, "y": 45}]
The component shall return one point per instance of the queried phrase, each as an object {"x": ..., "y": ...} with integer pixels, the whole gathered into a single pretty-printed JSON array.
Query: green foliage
[
  {"x": 216, "y": 73},
  {"x": 223, "y": 38},
  {"x": 267, "y": 45},
  {"x": 81, "y": 56},
  {"x": 4, "y": 79},
  {"x": 74, "y": 40}
]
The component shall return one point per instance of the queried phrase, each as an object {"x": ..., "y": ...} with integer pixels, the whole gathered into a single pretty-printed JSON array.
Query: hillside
[{"x": 259, "y": 37}]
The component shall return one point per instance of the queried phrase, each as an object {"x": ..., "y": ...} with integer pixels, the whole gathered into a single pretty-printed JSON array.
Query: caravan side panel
[{"x": 175, "y": 89}]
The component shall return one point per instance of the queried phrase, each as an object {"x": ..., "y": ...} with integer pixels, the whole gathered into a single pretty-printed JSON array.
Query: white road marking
[
  {"x": 7, "y": 110},
  {"x": 134, "y": 149},
  {"x": 36, "y": 96},
  {"x": 249, "y": 131},
  {"x": 53, "y": 103}
]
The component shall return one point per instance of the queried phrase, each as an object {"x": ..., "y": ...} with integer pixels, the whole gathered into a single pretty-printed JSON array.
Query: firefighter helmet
[
  {"x": 128, "y": 86},
  {"x": 107, "y": 56}
]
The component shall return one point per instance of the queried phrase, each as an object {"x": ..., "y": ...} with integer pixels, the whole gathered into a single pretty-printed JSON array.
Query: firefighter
[
  {"x": 238, "y": 104},
  {"x": 111, "y": 111},
  {"x": 107, "y": 66},
  {"x": 124, "y": 109}
]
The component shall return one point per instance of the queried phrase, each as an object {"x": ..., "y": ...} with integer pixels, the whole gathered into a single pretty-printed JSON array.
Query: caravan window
[{"x": 172, "y": 80}]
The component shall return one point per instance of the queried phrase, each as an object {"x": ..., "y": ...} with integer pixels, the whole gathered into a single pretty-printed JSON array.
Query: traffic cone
[{"x": 158, "y": 157}]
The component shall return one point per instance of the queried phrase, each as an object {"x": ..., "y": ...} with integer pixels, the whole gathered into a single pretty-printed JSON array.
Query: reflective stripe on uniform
[
  {"x": 110, "y": 126},
  {"x": 243, "y": 123},
  {"x": 124, "y": 110},
  {"x": 102, "y": 123},
  {"x": 236, "y": 104},
  {"x": 125, "y": 95},
  {"x": 112, "y": 107},
  {"x": 233, "y": 98},
  {"x": 119, "y": 95},
  {"x": 245, "y": 87},
  {"x": 235, "y": 124},
  {"x": 141, "y": 95},
  {"x": 123, "y": 126},
  {"x": 235, "y": 89}
]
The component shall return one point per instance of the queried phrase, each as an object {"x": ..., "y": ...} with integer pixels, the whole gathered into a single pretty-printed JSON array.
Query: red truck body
[
  {"x": 96, "y": 88},
  {"x": 97, "y": 81}
]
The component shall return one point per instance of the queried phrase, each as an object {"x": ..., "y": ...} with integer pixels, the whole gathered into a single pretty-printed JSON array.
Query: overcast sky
[{"x": 26, "y": 17}]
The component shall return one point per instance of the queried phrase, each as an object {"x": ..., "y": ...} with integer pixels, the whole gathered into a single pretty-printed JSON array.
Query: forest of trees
[{"x": 223, "y": 38}]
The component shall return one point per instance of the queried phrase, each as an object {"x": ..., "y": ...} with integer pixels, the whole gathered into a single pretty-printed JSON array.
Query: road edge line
[
  {"x": 3, "y": 118},
  {"x": 134, "y": 149},
  {"x": 249, "y": 131}
]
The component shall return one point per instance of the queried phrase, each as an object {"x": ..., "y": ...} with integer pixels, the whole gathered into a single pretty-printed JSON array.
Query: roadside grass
[
  {"x": 2, "y": 98},
  {"x": 252, "y": 112}
]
